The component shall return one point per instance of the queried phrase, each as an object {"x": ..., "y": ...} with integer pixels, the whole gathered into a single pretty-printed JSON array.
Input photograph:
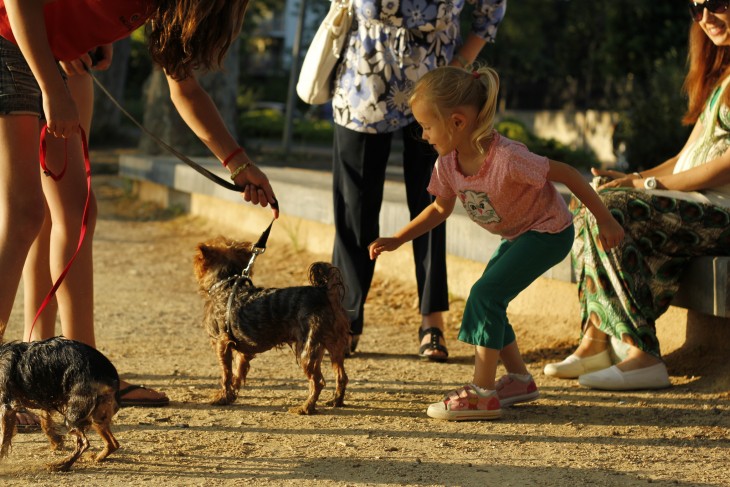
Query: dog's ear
[{"x": 203, "y": 258}]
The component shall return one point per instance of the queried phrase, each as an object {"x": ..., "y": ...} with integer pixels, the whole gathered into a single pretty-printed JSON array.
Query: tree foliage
[{"x": 586, "y": 54}]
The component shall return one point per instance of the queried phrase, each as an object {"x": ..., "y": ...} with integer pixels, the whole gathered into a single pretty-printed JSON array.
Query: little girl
[{"x": 507, "y": 190}]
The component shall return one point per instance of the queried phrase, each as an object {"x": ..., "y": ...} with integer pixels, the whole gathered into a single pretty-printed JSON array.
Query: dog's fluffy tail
[{"x": 323, "y": 274}]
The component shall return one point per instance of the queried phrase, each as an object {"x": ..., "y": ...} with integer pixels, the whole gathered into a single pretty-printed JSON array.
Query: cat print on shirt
[{"x": 478, "y": 207}]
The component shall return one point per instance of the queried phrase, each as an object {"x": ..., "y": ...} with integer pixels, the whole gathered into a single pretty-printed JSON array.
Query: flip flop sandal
[
  {"x": 434, "y": 344},
  {"x": 28, "y": 428},
  {"x": 141, "y": 402}
]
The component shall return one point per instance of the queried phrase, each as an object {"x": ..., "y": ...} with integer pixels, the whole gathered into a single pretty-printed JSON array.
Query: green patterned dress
[{"x": 625, "y": 290}]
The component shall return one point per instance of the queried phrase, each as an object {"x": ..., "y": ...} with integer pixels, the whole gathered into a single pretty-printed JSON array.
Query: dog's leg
[
  {"x": 242, "y": 367},
  {"x": 82, "y": 444},
  {"x": 7, "y": 428},
  {"x": 102, "y": 416},
  {"x": 49, "y": 428},
  {"x": 312, "y": 365},
  {"x": 341, "y": 379},
  {"x": 110, "y": 442},
  {"x": 225, "y": 357}
]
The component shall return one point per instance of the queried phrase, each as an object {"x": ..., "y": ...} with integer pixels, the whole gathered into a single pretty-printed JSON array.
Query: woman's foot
[
  {"x": 139, "y": 395},
  {"x": 640, "y": 370},
  {"x": 575, "y": 366},
  {"x": 591, "y": 355},
  {"x": 431, "y": 336},
  {"x": 433, "y": 346}
]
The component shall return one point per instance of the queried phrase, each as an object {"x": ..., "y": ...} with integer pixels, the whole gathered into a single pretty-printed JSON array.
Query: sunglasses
[{"x": 696, "y": 10}]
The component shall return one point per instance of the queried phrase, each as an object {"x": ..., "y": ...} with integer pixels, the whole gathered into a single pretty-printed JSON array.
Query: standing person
[
  {"x": 392, "y": 44},
  {"x": 34, "y": 36},
  {"x": 509, "y": 191},
  {"x": 673, "y": 212}
]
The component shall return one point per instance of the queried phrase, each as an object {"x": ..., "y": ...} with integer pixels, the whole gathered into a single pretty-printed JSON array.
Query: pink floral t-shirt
[{"x": 510, "y": 194}]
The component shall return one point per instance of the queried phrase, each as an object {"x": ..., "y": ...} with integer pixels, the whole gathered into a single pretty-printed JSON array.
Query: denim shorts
[{"x": 19, "y": 90}]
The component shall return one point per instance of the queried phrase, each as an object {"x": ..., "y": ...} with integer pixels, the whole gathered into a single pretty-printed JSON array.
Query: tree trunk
[{"x": 161, "y": 118}]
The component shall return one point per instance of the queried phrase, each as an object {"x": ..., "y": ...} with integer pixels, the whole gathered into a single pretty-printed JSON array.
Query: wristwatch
[{"x": 650, "y": 182}]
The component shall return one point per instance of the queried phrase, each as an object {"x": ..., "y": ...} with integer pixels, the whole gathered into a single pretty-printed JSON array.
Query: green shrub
[{"x": 269, "y": 124}]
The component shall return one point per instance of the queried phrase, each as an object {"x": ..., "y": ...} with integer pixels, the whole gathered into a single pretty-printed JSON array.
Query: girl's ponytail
[{"x": 485, "y": 120}]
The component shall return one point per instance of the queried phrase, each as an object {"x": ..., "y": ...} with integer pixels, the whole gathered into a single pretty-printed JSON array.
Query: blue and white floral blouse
[{"x": 393, "y": 43}]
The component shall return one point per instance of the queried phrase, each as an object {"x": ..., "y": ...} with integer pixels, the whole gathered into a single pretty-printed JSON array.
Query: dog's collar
[{"x": 222, "y": 283}]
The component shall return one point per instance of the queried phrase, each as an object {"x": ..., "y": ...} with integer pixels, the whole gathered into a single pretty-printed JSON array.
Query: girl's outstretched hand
[
  {"x": 383, "y": 245},
  {"x": 610, "y": 234}
]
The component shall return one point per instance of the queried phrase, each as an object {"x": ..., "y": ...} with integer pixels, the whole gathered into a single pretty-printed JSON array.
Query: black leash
[{"x": 259, "y": 246}]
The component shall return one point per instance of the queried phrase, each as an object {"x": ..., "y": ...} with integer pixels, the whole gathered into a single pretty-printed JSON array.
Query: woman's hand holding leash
[{"x": 257, "y": 189}]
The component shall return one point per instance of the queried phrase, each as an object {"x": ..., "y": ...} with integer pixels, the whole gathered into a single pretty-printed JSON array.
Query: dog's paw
[
  {"x": 303, "y": 410},
  {"x": 222, "y": 399}
]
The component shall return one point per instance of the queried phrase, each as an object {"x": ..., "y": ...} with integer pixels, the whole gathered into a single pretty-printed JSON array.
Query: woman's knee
[{"x": 24, "y": 219}]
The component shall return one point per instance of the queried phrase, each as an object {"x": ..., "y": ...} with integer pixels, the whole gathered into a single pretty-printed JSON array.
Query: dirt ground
[{"x": 148, "y": 323}]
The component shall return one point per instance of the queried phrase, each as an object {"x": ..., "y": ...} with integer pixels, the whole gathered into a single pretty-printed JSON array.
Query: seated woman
[{"x": 676, "y": 211}]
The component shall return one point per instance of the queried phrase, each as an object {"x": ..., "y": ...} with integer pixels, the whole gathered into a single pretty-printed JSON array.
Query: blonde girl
[{"x": 509, "y": 191}]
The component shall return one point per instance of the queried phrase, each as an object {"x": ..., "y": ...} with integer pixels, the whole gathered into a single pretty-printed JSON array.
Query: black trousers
[{"x": 358, "y": 172}]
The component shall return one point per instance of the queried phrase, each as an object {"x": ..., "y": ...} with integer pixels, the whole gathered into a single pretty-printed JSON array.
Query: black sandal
[{"x": 434, "y": 344}]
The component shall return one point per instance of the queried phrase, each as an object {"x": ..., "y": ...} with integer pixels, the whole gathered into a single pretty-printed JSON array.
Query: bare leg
[
  {"x": 512, "y": 359},
  {"x": 594, "y": 341},
  {"x": 21, "y": 201},
  {"x": 66, "y": 199},
  {"x": 37, "y": 283},
  {"x": 485, "y": 367}
]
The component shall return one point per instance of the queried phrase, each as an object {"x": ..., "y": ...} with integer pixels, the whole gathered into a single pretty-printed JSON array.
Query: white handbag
[{"x": 315, "y": 78}]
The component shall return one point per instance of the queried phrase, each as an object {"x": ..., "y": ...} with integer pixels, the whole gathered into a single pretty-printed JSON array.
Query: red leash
[{"x": 84, "y": 218}]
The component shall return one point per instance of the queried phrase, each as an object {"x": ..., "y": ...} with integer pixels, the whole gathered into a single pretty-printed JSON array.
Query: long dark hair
[
  {"x": 186, "y": 35},
  {"x": 708, "y": 66}
]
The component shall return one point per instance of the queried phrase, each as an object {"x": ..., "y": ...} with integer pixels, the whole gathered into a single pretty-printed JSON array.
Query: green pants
[{"x": 514, "y": 266}]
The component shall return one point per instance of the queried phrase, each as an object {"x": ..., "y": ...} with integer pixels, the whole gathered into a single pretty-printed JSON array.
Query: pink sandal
[{"x": 466, "y": 403}]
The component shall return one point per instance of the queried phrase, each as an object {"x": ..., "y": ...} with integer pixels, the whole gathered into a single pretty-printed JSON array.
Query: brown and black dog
[
  {"x": 64, "y": 376},
  {"x": 245, "y": 320}
]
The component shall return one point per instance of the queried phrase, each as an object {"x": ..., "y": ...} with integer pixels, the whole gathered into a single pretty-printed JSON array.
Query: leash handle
[{"x": 84, "y": 218}]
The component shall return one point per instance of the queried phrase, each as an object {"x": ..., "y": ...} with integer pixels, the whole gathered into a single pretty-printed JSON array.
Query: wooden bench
[{"x": 705, "y": 287}]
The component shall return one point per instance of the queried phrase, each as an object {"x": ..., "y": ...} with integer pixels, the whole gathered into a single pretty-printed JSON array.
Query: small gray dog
[{"x": 245, "y": 320}]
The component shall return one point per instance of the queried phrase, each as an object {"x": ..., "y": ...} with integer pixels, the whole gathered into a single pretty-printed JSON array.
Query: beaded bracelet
[
  {"x": 231, "y": 156},
  {"x": 239, "y": 170}
]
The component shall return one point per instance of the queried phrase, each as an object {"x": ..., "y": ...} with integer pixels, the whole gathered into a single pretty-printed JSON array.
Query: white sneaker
[
  {"x": 614, "y": 379},
  {"x": 573, "y": 367}
]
